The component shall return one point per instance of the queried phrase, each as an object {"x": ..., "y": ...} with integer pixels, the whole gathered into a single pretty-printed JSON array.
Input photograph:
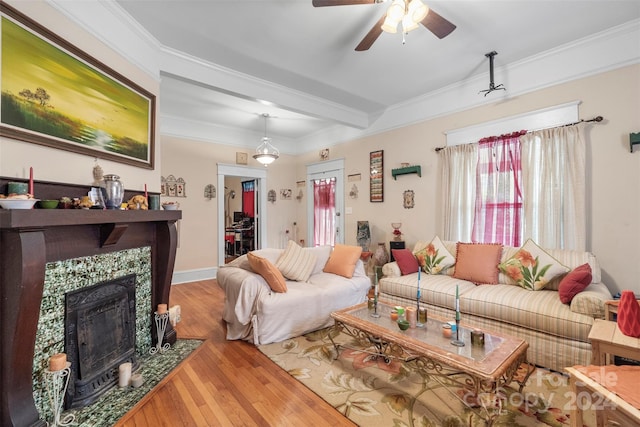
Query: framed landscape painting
[{"x": 56, "y": 95}]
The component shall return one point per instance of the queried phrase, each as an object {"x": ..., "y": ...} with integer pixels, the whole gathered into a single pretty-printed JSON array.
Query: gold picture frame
[
  {"x": 56, "y": 95},
  {"x": 241, "y": 158}
]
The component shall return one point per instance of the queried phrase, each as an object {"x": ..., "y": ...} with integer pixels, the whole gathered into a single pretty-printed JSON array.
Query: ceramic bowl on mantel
[
  {"x": 48, "y": 204},
  {"x": 170, "y": 206},
  {"x": 17, "y": 203}
]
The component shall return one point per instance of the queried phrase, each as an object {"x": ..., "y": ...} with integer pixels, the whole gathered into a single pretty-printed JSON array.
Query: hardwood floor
[{"x": 225, "y": 383}]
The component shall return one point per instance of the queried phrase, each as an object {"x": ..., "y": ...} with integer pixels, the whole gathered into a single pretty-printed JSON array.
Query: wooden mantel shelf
[{"x": 39, "y": 218}]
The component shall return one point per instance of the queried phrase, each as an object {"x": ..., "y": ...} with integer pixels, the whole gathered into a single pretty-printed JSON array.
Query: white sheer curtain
[
  {"x": 458, "y": 171},
  {"x": 553, "y": 188},
  {"x": 553, "y": 175}
]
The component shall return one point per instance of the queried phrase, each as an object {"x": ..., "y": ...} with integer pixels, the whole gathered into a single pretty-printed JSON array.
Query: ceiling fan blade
[
  {"x": 322, "y": 3},
  {"x": 372, "y": 35},
  {"x": 437, "y": 24}
]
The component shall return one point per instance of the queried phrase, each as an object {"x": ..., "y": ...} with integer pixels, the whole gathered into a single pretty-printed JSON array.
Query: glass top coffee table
[{"x": 482, "y": 369}]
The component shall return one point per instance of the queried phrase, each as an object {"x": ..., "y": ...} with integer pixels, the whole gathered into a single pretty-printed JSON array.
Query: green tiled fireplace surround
[
  {"x": 43, "y": 245},
  {"x": 73, "y": 274}
]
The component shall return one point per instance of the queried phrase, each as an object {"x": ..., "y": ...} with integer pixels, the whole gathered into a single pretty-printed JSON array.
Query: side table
[
  {"x": 589, "y": 394},
  {"x": 611, "y": 309},
  {"x": 606, "y": 338},
  {"x": 395, "y": 244}
]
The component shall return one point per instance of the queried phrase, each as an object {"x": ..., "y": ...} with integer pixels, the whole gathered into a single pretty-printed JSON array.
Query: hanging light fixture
[
  {"x": 409, "y": 12},
  {"x": 266, "y": 153}
]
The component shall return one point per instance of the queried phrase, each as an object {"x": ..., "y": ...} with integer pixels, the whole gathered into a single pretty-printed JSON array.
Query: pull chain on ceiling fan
[{"x": 410, "y": 13}]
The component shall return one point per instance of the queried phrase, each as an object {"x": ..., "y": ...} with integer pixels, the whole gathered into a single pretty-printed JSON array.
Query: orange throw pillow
[
  {"x": 268, "y": 271},
  {"x": 478, "y": 262},
  {"x": 342, "y": 260}
]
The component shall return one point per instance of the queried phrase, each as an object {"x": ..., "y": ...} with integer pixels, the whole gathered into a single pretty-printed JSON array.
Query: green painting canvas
[{"x": 49, "y": 92}]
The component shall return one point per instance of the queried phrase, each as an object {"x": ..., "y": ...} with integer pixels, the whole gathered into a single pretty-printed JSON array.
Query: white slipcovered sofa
[
  {"x": 557, "y": 332},
  {"x": 255, "y": 313}
]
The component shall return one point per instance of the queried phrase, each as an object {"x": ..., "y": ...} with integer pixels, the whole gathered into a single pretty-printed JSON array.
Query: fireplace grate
[{"x": 100, "y": 334}]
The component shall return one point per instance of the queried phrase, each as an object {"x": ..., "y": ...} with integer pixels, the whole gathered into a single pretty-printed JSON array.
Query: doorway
[
  {"x": 325, "y": 210},
  {"x": 257, "y": 231}
]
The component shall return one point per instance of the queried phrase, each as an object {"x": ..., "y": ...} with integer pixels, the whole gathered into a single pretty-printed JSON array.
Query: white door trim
[{"x": 260, "y": 175}]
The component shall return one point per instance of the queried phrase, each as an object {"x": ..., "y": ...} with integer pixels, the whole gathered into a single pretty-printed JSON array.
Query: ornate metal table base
[{"x": 482, "y": 395}]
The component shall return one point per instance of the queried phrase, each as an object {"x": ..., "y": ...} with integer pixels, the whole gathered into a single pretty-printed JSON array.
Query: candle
[
  {"x": 146, "y": 196},
  {"x": 136, "y": 380},
  {"x": 457, "y": 304},
  {"x": 446, "y": 330},
  {"x": 412, "y": 317},
  {"x": 375, "y": 287},
  {"x": 57, "y": 362},
  {"x": 124, "y": 374},
  {"x": 31, "y": 180},
  {"x": 162, "y": 308},
  {"x": 418, "y": 282}
]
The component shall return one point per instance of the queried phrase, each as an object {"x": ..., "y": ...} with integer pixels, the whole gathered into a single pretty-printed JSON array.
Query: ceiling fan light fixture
[
  {"x": 397, "y": 10},
  {"x": 389, "y": 25},
  {"x": 408, "y": 24},
  {"x": 417, "y": 11}
]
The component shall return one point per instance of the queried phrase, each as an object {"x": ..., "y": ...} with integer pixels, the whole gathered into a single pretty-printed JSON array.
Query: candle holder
[
  {"x": 458, "y": 342},
  {"x": 419, "y": 324},
  {"x": 161, "y": 325},
  {"x": 56, "y": 383},
  {"x": 375, "y": 307},
  {"x": 375, "y": 313}
]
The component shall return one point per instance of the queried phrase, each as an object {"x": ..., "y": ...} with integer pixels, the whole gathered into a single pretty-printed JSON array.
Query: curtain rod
[{"x": 596, "y": 119}]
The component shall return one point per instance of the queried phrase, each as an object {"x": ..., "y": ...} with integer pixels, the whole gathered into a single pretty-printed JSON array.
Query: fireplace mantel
[{"x": 29, "y": 239}]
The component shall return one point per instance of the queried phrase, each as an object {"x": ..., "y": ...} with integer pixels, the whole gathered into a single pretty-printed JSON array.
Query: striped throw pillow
[{"x": 295, "y": 263}]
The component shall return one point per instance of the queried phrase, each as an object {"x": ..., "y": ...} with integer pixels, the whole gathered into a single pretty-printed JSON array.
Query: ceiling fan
[{"x": 408, "y": 13}]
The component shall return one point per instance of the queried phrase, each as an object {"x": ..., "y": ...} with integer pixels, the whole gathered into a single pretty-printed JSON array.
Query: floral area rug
[{"x": 371, "y": 392}]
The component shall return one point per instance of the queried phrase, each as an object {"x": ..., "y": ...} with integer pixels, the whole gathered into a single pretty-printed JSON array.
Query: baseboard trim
[{"x": 186, "y": 276}]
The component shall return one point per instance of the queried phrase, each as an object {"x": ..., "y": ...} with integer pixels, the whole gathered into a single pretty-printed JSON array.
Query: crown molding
[{"x": 114, "y": 27}]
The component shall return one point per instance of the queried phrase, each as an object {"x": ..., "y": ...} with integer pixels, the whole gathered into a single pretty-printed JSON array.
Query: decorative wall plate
[
  {"x": 210, "y": 191},
  {"x": 407, "y": 199}
]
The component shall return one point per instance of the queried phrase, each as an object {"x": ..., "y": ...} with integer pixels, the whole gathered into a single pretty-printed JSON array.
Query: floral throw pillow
[
  {"x": 531, "y": 267},
  {"x": 434, "y": 258}
]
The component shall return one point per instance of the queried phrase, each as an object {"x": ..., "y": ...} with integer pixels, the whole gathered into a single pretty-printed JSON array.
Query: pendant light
[{"x": 266, "y": 153}]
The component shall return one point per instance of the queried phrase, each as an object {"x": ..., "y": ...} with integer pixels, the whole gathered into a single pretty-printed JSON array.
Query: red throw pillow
[
  {"x": 574, "y": 282},
  {"x": 406, "y": 261}
]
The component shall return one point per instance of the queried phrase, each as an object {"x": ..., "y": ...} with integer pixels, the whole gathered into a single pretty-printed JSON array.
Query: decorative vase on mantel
[
  {"x": 113, "y": 191},
  {"x": 381, "y": 256}
]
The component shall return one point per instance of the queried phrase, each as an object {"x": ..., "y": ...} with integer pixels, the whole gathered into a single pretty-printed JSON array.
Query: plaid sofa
[{"x": 557, "y": 333}]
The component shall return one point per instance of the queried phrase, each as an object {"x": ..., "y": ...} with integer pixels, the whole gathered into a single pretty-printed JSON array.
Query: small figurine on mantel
[{"x": 98, "y": 174}]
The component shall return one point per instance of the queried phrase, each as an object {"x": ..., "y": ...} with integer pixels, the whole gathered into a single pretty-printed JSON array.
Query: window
[
  {"x": 508, "y": 189},
  {"x": 498, "y": 201}
]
